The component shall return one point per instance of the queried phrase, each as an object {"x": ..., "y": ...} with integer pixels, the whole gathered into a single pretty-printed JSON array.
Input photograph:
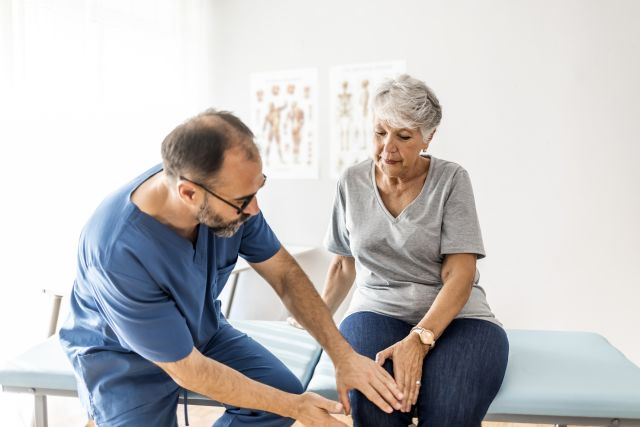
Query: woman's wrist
[{"x": 415, "y": 340}]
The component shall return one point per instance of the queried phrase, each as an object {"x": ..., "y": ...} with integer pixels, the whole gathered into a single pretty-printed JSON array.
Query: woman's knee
[
  {"x": 364, "y": 413},
  {"x": 452, "y": 409}
]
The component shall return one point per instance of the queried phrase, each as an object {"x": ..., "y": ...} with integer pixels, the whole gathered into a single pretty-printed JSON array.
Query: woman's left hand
[{"x": 407, "y": 355}]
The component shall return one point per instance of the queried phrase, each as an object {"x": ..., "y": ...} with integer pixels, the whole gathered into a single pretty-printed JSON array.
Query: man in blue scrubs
[{"x": 145, "y": 319}]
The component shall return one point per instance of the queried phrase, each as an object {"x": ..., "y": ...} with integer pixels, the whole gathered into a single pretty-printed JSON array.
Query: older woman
[{"x": 405, "y": 229}]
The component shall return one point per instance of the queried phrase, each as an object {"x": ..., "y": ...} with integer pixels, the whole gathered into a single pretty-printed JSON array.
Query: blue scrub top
[{"x": 144, "y": 293}]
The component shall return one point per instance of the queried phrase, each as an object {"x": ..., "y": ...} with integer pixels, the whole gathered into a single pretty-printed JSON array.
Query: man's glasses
[{"x": 245, "y": 200}]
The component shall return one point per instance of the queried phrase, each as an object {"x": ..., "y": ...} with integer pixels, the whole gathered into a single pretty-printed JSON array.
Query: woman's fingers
[
  {"x": 417, "y": 393},
  {"x": 410, "y": 384},
  {"x": 383, "y": 355},
  {"x": 293, "y": 322}
]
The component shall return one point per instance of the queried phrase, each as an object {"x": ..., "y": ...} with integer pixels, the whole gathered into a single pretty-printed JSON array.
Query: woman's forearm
[
  {"x": 340, "y": 278},
  {"x": 458, "y": 272}
]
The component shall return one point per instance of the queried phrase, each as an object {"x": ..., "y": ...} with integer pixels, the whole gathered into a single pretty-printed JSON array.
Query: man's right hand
[
  {"x": 314, "y": 410},
  {"x": 356, "y": 371},
  {"x": 362, "y": 374}
]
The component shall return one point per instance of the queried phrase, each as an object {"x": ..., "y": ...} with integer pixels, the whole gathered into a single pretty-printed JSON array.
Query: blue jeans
[{"x": 461, "y": 375}]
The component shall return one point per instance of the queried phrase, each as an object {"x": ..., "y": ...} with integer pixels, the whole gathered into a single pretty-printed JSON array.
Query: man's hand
[
  {"x": 315, "y": 410},
  {"x": 360, "y": 372},
  {"x": 408, "y": 355}
]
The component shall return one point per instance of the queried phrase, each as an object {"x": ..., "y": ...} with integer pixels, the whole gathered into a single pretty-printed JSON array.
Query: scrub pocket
[
  {"x": 119, "y": 382},
  {"x": 222, "y": 275}
]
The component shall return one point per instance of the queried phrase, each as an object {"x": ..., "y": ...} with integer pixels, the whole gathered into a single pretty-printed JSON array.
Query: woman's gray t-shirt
[{"x": 399, "y": 260}]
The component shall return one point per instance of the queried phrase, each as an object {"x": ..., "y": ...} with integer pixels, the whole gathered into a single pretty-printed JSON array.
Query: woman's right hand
[{"x": 293, "y": 322}]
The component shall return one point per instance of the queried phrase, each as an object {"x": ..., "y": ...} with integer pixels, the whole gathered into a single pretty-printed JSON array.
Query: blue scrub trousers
[
  {"x": 229, "y": 347},
  {"x": 461, "y": 375}
]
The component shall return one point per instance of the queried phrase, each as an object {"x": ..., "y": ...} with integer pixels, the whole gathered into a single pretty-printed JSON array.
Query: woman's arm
[
  {"x": 340, "y": 278},
  {"x": 458, "y": 272}
]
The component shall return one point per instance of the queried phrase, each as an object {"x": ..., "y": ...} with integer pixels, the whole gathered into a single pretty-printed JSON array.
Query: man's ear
[{"x": 186, "y": 192}]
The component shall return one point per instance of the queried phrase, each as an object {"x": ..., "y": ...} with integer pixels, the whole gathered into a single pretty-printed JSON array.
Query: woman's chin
[{"x": 391, "y": 170}]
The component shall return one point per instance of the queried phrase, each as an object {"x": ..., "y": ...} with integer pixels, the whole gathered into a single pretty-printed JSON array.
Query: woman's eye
[
  {"x": 405, "y": 137},
  {"x": 380, "y": 133}
]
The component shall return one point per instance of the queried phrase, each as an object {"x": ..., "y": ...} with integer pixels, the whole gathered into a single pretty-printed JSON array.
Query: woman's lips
[{"x": 390, "y": 162}]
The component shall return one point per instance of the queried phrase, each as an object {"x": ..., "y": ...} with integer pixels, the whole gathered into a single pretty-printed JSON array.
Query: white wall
[
  {"x": 540, "y": 104},
  {"x": 88, "y": 90}
]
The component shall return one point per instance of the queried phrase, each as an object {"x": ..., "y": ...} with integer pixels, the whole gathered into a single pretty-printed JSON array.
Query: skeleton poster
[
  {"x": 284, "y": 107},
  {"x": 351, "y": 89}
]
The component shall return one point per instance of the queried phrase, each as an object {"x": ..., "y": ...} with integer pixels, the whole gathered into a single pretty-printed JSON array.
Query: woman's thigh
[
  {"x": 462, "y": 374},
  {"x": 368, "y": 333}
]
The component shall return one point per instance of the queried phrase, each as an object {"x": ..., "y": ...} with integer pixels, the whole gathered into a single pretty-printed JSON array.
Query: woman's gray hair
[{"x": 406, "y": 102}]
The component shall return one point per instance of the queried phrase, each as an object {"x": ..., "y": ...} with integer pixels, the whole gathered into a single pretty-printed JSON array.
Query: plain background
[
  {"x": 540, "y": 101},
  {"x": 540, "y": 104}
]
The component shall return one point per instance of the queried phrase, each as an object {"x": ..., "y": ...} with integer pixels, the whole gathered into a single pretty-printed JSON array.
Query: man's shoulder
[{"x": 113, "y": 223}]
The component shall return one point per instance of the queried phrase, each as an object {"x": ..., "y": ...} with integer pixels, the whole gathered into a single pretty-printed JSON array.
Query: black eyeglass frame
[{"x": 239, "y": 209}]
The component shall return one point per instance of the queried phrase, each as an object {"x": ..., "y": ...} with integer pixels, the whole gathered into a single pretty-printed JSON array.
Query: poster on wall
[
  {"x": 351, "y": 87},
  {"x": 284, "y": 107}
]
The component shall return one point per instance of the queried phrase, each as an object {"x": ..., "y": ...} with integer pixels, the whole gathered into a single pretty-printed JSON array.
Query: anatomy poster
[
  {"x": 351, "y": 89},
  {"x": 284, "y": 107}
]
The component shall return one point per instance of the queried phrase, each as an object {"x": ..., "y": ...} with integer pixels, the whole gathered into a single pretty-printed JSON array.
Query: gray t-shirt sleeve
[
  {"x": 337, "y": 238},
  {"x": 460, "y": 225}
]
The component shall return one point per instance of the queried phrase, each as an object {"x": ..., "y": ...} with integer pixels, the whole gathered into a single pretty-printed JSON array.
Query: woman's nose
[{"x": 388, "y": 145}]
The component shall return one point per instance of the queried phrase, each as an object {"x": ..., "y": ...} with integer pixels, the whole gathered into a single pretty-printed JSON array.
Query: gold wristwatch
[{"x": 427, "y": 337}]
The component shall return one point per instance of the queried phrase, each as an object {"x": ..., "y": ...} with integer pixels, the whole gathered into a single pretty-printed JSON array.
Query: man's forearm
[
  {"x": 304, "y": 303},
  {"x": 203, "y": 375},
  {"x": 300, "y": 297}
]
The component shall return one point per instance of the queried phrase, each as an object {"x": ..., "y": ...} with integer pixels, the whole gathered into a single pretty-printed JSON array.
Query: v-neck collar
[
  {"x": 164, "y": 231},
  {"x": 395, "y": 219}
]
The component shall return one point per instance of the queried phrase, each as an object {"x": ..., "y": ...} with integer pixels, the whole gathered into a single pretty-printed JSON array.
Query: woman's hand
[
  {"x": 293, "y": 322},
  {"x": 407, "y": 356}
]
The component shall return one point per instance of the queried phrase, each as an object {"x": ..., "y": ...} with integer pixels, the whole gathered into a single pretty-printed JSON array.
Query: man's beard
[{"x": 217, "y": 225}]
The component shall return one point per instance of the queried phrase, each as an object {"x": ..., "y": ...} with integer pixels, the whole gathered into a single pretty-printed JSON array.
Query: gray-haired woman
[{"x": 405, "y": 229}]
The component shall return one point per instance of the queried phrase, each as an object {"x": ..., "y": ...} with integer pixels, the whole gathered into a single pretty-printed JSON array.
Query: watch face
[{"x": 425, "y": 337}]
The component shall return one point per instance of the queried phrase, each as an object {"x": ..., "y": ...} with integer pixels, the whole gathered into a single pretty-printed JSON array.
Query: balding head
[{"x": 197, "y": 147}]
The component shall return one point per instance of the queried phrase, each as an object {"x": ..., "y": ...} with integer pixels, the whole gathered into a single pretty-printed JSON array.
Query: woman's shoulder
[
  {"x": 357, "y": 174},
  {"x": 446, "y": 169}
]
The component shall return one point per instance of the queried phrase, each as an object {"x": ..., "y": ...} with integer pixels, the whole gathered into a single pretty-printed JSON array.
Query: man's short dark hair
[{"x": 196, "y": 147}]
